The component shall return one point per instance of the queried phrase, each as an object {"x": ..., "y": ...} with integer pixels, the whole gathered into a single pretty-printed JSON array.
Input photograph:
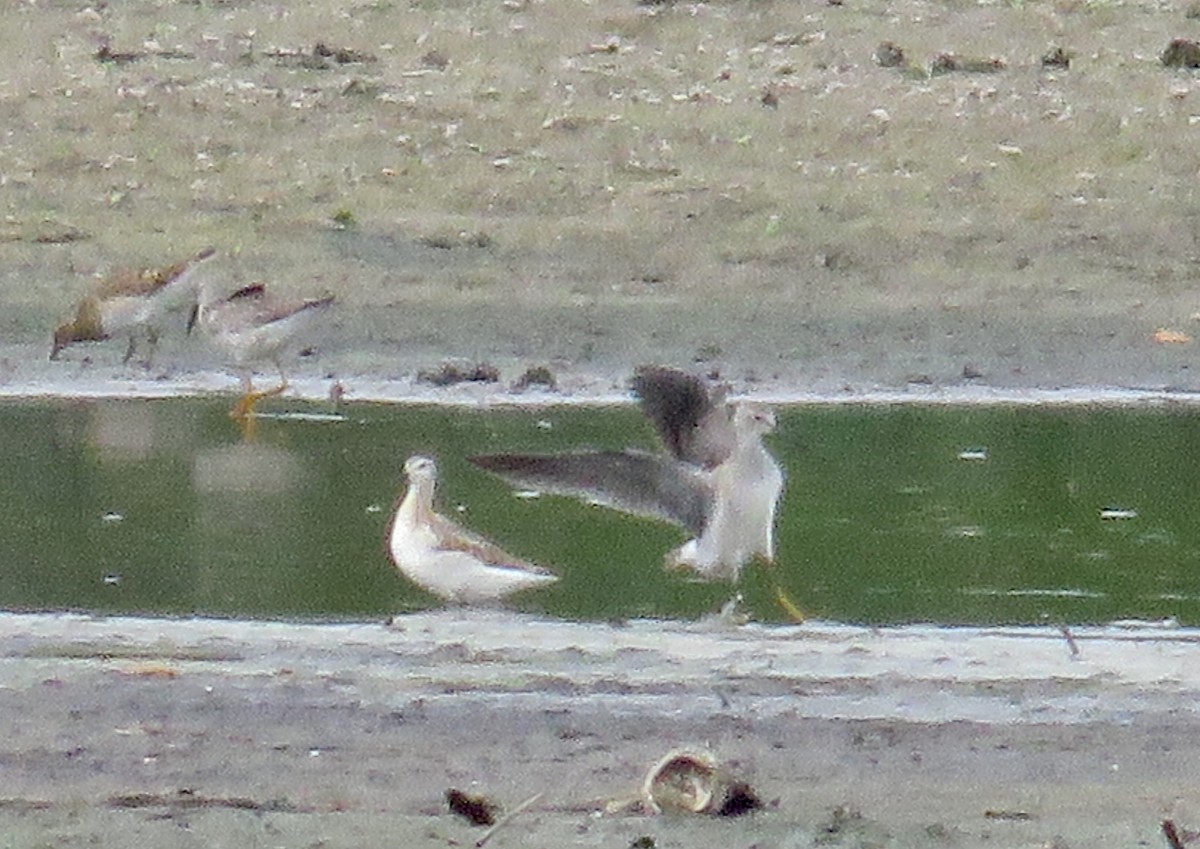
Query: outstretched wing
[
  {"x": 631, "y": 481},
  {"x": 693, "y": 421}
]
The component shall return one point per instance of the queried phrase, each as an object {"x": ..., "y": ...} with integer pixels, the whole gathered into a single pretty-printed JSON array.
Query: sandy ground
[
  {"x": 742, "y": 187},
  {"x": 217, "y": 733}
]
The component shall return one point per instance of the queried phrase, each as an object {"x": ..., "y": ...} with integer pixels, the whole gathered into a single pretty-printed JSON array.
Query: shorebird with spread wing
[
  {"x": 716, "y": 479},
  {"x": 446, "y": 559},
  {"x": 133, "y": 301}
]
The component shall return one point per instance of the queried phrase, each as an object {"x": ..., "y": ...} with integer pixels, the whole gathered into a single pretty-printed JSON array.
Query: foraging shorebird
[
  {"x": 133, "y": 301},
  {"x": 250, "y": 327},
  {"x": 445, "y": 558},
  {"x": 716, "y": 479}
]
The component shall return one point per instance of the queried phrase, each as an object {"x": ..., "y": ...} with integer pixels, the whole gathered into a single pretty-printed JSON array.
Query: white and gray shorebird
[
  {"x": 446, "y": 559},
  {"x": 716, "y": 479},
  {"x": 249, "y": 327}
]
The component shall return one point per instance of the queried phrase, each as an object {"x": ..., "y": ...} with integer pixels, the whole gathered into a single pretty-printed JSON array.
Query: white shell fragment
[{"x": 683, "y": 780}]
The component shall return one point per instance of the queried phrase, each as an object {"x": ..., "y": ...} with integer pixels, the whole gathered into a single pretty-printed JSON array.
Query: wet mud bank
[{"x": 209, "y": 732}]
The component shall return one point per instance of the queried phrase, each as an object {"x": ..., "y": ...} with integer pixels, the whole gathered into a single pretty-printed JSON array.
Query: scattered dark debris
[
  {"x": 969, "y": 372},
  {"x": 938, "y": 831},
  {"x": 25, "y": 805},
  {"x": 478, "y": 810},
  {"x": 769, "y": 99},
  {"x": 301, "y": 59},
  {"x": 361, "y": 88},
  {"x": 322, "y": 57},
  {"x": 889, "y": 55},
  {"x": 1182, "y": 53},
  {"x": 435, "y": 60},
  {"x": 113, "y": 57},
  {"x": 536, "y": 376},
  {"x": 1008, "y": 816},
  {"x": 342, "y": 55},
  {"x": 1056, "y": 57},
  {"x": 740, "y": 798},
  {"x": 450, "y": 373},
  {"x": 343, "y": 219},
  {"x": 835, "y": 259},
  {"x": 840, "y": 819},
  {"x": 461, "y": 239},
  {"x": 59, "y": 234},
  {"x": 565, "y": 123},
  {"x": 946, "y": 63},
  {"x": 186, "y": 798},
  {"x": 643, "y": 842},
  {"x": 441, "y": 241},
  {"x": 708, "y": 352}
]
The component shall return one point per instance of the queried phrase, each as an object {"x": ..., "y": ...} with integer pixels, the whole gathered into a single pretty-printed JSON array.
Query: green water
[{"x": 891, "y": 514}]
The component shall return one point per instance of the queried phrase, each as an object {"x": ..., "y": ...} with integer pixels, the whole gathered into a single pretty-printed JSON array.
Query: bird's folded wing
[
  {"x": 129, "y": 282},
  {"x": 287, "y": 309},
  {"x": 635, "y": 482},
  {"x": 451, "y": 537}
]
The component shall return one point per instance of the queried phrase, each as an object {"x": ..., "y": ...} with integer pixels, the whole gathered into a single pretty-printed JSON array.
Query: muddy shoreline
[{"x": 208, "y": 732}]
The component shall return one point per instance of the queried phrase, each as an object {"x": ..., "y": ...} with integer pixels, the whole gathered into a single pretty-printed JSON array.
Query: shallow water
[{"x": 892, "y": 513}]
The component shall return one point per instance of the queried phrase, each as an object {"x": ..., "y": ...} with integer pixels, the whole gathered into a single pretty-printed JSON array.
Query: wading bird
[
  {"x": 250, "y": 327},
  {"x": 133, "y": 301},
  {"x": 716, "y": 478},
  {"x": 443, "y": 557}
]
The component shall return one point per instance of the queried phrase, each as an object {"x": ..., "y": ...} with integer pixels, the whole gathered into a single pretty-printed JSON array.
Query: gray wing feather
[
  {"x": 692, "y": 421},
  {"x": 631, "y": 481}
]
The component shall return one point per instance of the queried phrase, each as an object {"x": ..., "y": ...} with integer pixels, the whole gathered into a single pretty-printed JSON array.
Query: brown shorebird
[{"x": 132, "y": 301}]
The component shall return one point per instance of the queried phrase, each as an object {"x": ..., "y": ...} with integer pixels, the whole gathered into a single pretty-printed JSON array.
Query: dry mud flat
[
  {"x": 603, "y": 184},
  {"x": 124, "y": 731}
]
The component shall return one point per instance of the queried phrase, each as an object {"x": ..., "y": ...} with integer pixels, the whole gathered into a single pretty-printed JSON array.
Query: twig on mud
[
  {"x": 1169, "y": 832},
  {"x": 1070, "y": 638},
  {"x": 504, "y": 820}
]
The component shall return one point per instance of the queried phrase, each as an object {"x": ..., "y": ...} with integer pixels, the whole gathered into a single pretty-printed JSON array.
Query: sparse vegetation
[{"x": 615, "y": 152}]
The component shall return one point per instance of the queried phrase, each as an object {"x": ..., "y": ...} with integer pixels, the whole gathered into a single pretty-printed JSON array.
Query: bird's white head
[
  {"x": 420, "y": 467},
  {"x": 756, "y": 419}
]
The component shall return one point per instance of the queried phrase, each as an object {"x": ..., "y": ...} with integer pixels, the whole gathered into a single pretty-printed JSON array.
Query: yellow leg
[
  {"x": 244, "y": 408},
  {"x": 249, "y": 426},
  {"x": 789, "y": 606},
  {"x": 782, "y": 598},
  {"x": 243, "y": 411}
]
